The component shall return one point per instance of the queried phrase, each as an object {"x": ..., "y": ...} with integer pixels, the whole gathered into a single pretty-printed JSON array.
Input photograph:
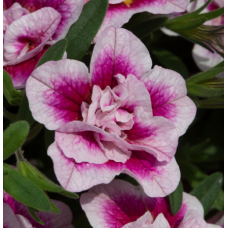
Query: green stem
[
  {"x": 9, "y": 115},
  {"x": 35, "y": 131},
  {"x": 19, "y": 155}
]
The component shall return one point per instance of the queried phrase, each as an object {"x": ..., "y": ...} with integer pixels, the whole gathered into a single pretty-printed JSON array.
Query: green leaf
[
  {"x": 54, "y": 53},
  {"x": 37, "y": 177},
  {"x": 213, "y": 14},
  {"x": 212, "y": 103},
  {"x": 192, "y": 173},
  {"x": 69, "y": 194},
  {"x": 83, "y": 31},
  {"x": 208, "y": 190},
  {"x": 32, "y": 212},
  {"x": 14, "y": 137},
  {"x": 175, "y": 199},
  {"x": 146, "y": 27},
  {"x": 13, "y": 96},
  {"x": 49, "y": 137},
  {"x": 25, "y": 191},
  {"x": 24, "y": 112},
  {"x": 219, "y": 202},
  {"x": 55, "y": 208},
  {"x": 171, "y": 61}
]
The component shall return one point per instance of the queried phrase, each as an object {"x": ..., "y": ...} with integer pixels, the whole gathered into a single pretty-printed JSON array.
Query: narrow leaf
[
  {"x": 24, "y": 190},
  {"x": 54, "y": 53},
  {"x": 55, "y": 208},
  {"x": 14, "y": 137},
  {"x": 208, "y": 190},
  {"x": 83, "y": 31},
  {"x": 175, "y": 199},
  {"x": 13, "y": 96},
  {"x": 69, "y": 194},
  {"x": 32, "y": 212}
]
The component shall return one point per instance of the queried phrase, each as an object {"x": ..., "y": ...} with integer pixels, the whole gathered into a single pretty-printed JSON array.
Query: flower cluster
[
  {"x": 122, "y": 117},
  {"x": 16, "y": 215},
  {"x": 30, "y": 28},
  {"x": 133, "y": 209}
]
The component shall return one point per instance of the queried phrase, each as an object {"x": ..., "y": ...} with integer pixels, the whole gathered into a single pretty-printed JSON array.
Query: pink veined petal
[
  {"x": 118, "y": 198},
  {"x": 9, "y": 219},
  {"x": 56, "y": 91},
  {"x": 160, "y": 222},
  {"x": 156, "y": 135},
  {"x": 134, "y": 100},
  {"x": 142, "y": 222},
  {"x": 214, "y": 226},
  {"x": 69, "y": 10},
  {"x": 84, "y": 143},
  {"x": 166, "y": 88},
  {"x": 204, "y": 59},
  {"x": 158, "y": 179},
  {"x": 21, "y": 71},
  {"x": 27, "y": 36},
  {"x": 118, "y": 51},
  {"x": 193, "y": 219},
  {"x": 9, "y": 200},
  {"x": 120, "y": 13},
  {"x": 24, "y": 222}
]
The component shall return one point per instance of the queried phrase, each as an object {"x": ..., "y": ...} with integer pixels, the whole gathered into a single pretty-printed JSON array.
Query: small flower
[
  {"x": 29, "y": 28},
  {"x": 122, "y": 205},
  {"x": 16, "y": 215},
  {"x": 119, "y": 11},
  {"x": 123, "y": 117}
]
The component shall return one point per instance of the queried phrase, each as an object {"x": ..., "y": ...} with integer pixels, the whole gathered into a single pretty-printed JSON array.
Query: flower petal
[
  {"x": 158, "y": 179},
  {"x": 118, "y": 198},
  {"x": 120, "y": 13},
  {"x": 21, "y": 71},
  {"x": 160, "y": 222},
  {"x": 27, "y": 36},
  {"x": 204, "y": 59},
  {"x": 157, "y": 135},
  {"x": 193, "y": 219},
  {"x": 56, "y": 91},
  {"x": 118, "y": 51},
  {"x": 84, "y": 143},
  {"x": 166, "y": 88}
]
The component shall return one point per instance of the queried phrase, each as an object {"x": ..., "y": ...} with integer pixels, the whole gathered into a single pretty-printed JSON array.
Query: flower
[
  {"x": 119, "y": 11},
  {"x": 16, "y": 215},
  {"x": 120, "y": 204},
  {"x": 205, "y": 59},
  {"x": 123, "y": 117},
  {"x": 217, "y": 219},
  {"x": 29, "y": 28}
]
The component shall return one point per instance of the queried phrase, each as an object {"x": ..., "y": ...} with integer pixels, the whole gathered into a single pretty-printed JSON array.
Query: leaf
[
  {"x": 213, "y": 14},
  {"x": 171, "y": 61},
  {"x": 219, "y": 202},
  {"x": 54, "y": 53},
  {"x": 14, "y": 137},
  {"x": 69, "y": 194},
  {"x": 25, "y": 191},
  {"x": 24, "y": 112},
  {"x": 175, "y": 199},
  {"x": 212, "y": 103},
  {"x": 83, "y": 31},
  {"x": 37, "y": 177},
  {"x": 32, "y": 212},
  {"x": 49, "y": 137},
  {"x": 146, "y": 27},
  {"x": 208, "y": 190},
  {"x": 55, "y": 208},
  {"x": 13, "y": 96}
]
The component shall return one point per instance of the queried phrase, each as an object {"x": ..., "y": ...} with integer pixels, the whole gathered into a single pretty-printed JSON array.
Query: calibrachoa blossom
[
  {"x": 29, "y": 28},
  {"x": 205, "y": 59},
  {"x": 120, "y": 204},
  {"x": 123, "y": 117},
  {"x": 119, "y": 12},
  {"x": 16, "y": 215}
]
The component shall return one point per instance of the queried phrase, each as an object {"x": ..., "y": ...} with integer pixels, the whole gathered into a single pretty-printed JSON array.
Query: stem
[
  {"x": 35, "y": 131},
  {"x": 19, "y": 155},
  {"x": 9, "y": 115}
]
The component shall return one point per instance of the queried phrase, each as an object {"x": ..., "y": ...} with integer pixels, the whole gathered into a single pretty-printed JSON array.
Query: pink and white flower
[
  {"x": 123, "y": 117},
  {"x": 119, "y": 11},
  {"x": 122, "y": 205},
  {"x": 29, "y": 28},
  {"x": 205, "y": 59},
  {"x": 16, "y": 215}
]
